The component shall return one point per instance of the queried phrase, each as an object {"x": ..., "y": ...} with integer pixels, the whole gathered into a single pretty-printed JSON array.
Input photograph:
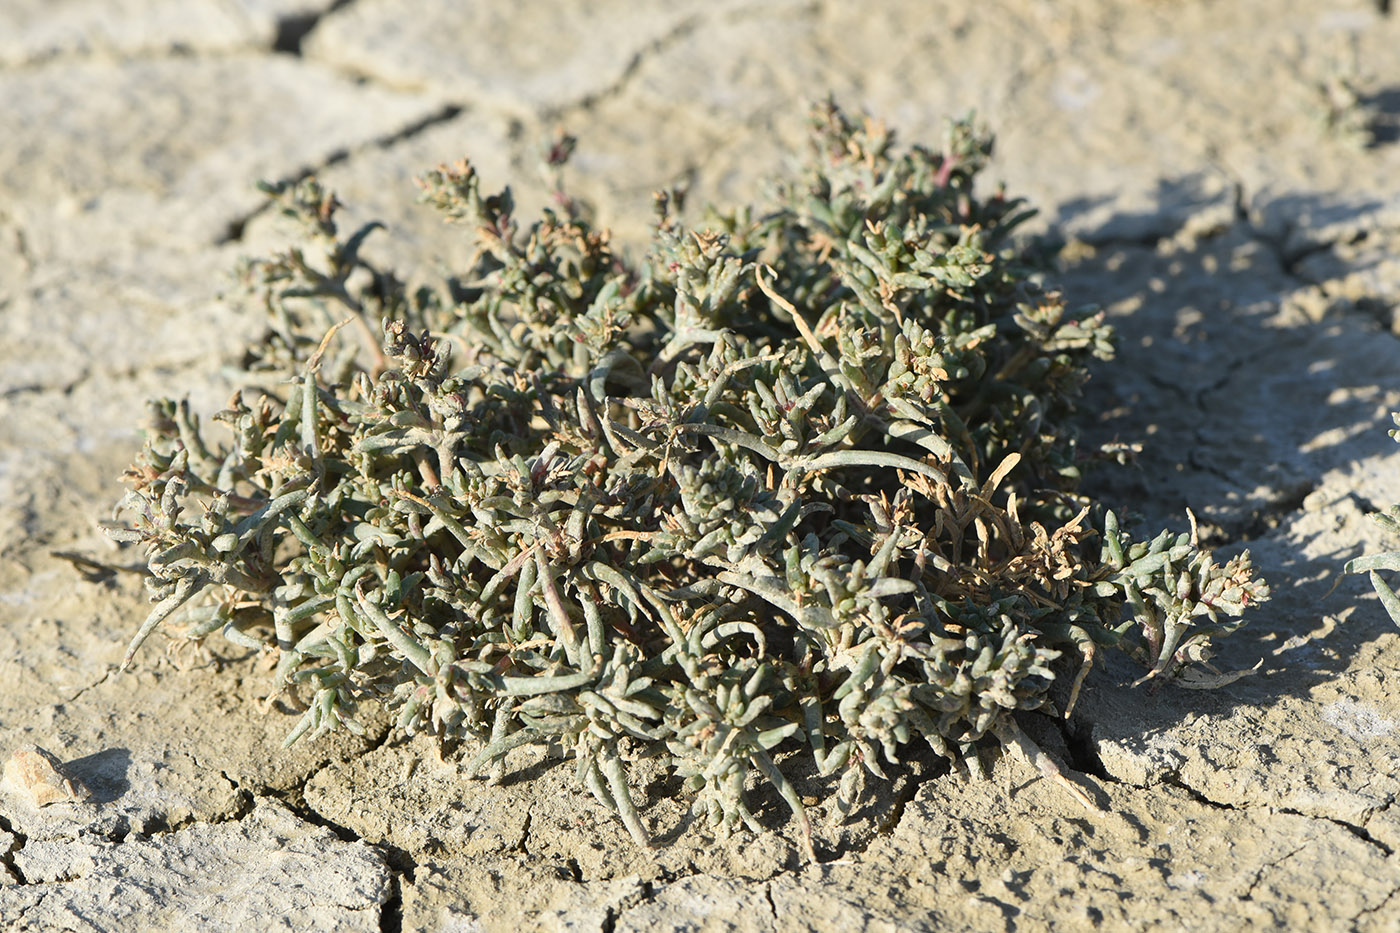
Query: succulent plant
[{"x": 804, "y": 477}]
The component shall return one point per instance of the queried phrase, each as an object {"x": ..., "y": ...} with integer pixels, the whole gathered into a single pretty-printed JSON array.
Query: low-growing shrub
[{"x": 804, "y": 476}]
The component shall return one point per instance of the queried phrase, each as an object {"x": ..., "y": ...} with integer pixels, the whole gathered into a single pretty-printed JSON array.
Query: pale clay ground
[{"x": 1180, "y": 150}]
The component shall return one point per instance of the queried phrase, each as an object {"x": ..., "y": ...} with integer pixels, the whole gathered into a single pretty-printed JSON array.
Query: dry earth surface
[{"x": 1205, "y": 170}]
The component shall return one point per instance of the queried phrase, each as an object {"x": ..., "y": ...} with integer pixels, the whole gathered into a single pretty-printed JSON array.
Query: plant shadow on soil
[
  {"x": 1247, "y": 385},
  {"x": 1384, "y": 107}
]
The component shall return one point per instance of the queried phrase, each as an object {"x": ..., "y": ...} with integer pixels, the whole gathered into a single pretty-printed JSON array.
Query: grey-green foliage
[
  {"x": 1373, "y": 564},
  {"x": 802, "y": 478}
]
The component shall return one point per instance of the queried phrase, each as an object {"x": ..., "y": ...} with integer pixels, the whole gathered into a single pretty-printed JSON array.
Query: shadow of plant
[{"x": 1261, "y": 403}]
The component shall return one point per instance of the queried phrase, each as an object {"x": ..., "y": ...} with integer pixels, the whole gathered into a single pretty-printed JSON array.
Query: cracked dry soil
[{"x": 1196, "y": 179}]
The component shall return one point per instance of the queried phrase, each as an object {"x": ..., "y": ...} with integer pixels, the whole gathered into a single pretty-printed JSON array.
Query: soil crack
[
  {"x": 1379, "y": 907},
  {"x": 646, "y": 895},
  {"x": 639, "y": 58},
  {"x": 1360, "y": 832},
  {"x": 1248, "y": 894},
  {"x": 67, "y": 387},
  {"x": 391, "y": 913},
  {"x": 399, "y": 860},
  {"x": 111, "y": 669},
  {"x": 890, "y": 821},
  {"x": 234, "y": 229},
  {"x": 7, "y": 857}
]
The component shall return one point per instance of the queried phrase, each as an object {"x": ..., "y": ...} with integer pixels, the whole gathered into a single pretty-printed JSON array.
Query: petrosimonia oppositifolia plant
[{"x": 803, "y": 478}]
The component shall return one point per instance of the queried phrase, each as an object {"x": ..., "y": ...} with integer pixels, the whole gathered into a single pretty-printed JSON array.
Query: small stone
[{"x": 35, "y": 772}]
